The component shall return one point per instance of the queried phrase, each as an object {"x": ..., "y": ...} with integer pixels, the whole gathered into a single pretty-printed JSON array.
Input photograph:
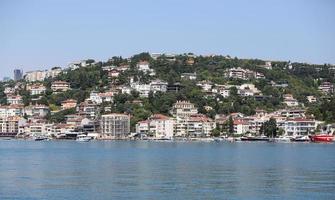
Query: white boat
[
  {"x": 83, "y": 138},
  {"x": 283, "y": 139}
]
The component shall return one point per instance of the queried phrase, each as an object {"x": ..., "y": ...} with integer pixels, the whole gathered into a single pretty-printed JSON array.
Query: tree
[
  {"x": 230, "y": 125},
  {"x": 215, "y": 132},
  {"x": 269, "y": 128}
]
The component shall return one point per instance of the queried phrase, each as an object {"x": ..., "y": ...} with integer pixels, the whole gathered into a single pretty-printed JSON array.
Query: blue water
[{"x": 165, "y": 170}]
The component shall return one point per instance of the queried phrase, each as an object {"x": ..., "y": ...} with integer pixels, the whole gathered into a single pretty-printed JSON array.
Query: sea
[{"x": 165, "y": 170}]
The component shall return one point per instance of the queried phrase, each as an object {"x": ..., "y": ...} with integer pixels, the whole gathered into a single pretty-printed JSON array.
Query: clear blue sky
[{"x": 38, "y": 34}]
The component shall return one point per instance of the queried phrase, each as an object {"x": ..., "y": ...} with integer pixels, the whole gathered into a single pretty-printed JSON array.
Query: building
[
  {"x": 143, "y": 89},
  {"x": 245, "y": 74},
  {"x": 61, "y": 86},
  {"x": 158, "y": 126},
  {"x": 9, "y": 91},
  {"x": 69, "y": 103},
  {"x": 88, "y": 109},
  {"x": 36, "y": 89},
  {"x": 311, "y": 99},
  {"x": 189, "y": 76},
  {"x": 199, "y": 125},
  {"x": 33, "y": 76},
  {"x": 240, "y": 126},
  {"x": 290, "y": 101},
  {"x": 55, "y": 71},
  {"x": 237, "y": 73},
  {"x": 326, "y": 88},
  {"x": 11, "y": 110},
  {"x": 299, "y": 126},
  {"x": 10, "y": 125},
  {"x": 115, "y": 125},
  {"x": 18, "y": 74},
  {"x": 205, "y": 85},
  {"x": 36, "y": 110},
  {"x": 143, "y": 66},
  {"x": 223, "y": 90},
  {"x": 14, "y": 99},
  {"x": 183, "y": 109},
  {"x": 158, "y": 86},
  {"x": 248, "y": 90},
  {"x": 196, "y": 125}
]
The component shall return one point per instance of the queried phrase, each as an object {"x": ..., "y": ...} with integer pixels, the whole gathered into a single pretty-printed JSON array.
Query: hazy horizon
[{"x": 43, "y": 34}]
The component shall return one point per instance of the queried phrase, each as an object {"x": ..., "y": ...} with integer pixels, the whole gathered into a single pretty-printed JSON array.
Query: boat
[
  {"x": 40, "y": 138},
  {"x": 255, "y": 138},
  {"x": 83, "y": 138},
  {"x": 282, "y": 139},
  {"x": 322, "y": 138},
  {"x": 300, "y": 138}
]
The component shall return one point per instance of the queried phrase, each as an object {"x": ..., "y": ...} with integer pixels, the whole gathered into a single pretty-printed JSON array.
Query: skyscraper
[{"x": 18, "y": 74}]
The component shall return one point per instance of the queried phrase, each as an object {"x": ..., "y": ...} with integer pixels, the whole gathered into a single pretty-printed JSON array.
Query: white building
[
  {"x": 54, "y": 72},
  {"x": 196, "y": 125},
  {"x": 143, "y": 89},
  {"x": 158, "y": 86},
  {"x": 12, "y": 110},
  {"x": 189, "y": 76},
  {"x": 299, "y": 126},
  {"x": 248, "y": 90},
  {"x": 311, "y": 99},
  {"x": 9, "y": 91},
  {"x": 326, "y": 88},
  {"x": 223, "y": 90},
  {"x": 14, "y": 99},
  {"x": 159, "y": 126},
  {"x": 36, "y": 89},
  {"x": 38, "y": 75},
  {"x": 115, "y": 125},
  {"x": 143, "y": 66},
  {"x": 183, "y": 109},
  {"x": 10, "y": 125},
  {"x": 205, "y": 85},
  {"x": 61, "y": 86},
  {"x": 36, "y": 110},
  {"x": 239, "y": 73},
  {"x": 240, "y": 126},
  {"x": 290, "y": 101}
]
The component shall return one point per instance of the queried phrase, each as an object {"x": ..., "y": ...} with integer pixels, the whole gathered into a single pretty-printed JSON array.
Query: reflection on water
[{"x": 165, "y": 170}]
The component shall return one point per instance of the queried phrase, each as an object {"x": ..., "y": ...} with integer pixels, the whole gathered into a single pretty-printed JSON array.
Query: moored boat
[
  {"x": 322, "y": 138},
  {"x": 255, "y": 138},
  {"x": 282, "y": 139},
  {"x": 303, "y": 138},
  {"x": 83, "y": 138}
]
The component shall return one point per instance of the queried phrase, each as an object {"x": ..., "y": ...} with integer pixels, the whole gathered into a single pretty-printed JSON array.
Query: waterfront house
[
  {"x": 115, "y": 125},
  {"x": 158, "y": 126}
]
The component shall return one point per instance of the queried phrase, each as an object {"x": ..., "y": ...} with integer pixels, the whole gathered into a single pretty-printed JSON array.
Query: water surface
[{"x": 165, "y": 170}]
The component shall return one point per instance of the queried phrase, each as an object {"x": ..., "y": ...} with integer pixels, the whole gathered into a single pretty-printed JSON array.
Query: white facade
[
  {"x": 159, "y": 126},
  {"x": 183, "y": 109},
  {"x": 38, "y": 75},
  {"x": 158, "y": 86},
  {"x": 14, "y": 99},
  {"x": 115, "y": 125},
  {"x": 60, "y": 86}
]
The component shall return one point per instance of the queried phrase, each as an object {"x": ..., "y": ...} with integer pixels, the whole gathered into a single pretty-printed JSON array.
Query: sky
[{"x": 40, "y": 34}]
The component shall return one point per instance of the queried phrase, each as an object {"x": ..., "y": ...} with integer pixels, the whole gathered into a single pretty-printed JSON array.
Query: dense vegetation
[{"x": 302, "y": 79}]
